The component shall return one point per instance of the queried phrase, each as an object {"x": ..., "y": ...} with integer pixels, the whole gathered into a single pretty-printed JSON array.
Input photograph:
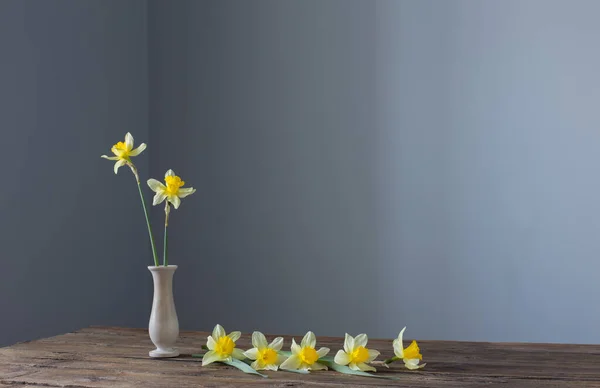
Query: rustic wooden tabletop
[{"x": 118, "y": 357}]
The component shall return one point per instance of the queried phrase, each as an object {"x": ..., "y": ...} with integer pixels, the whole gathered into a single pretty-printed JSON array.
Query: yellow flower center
[
  {"x": 412, "y": 352},
  {"x": 359, "y": 355},
  {"x": 173, "y": 184},
  {"x": 224, "y": 346},
  {"x": 308, "y": 355},
  {"x": 120, "y": 150},
  {"x": 267, "y": 356}
]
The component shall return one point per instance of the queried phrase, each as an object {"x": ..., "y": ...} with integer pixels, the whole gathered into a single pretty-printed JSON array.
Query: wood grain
[{"x": 118, "y": 357}]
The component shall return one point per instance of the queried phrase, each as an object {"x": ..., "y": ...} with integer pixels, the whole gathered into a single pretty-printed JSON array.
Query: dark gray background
[
  {"x": 360, "y": 165},
  {"x": 73, "y": 80}
]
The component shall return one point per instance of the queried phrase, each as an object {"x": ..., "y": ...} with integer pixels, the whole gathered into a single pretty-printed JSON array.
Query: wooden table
[{"x": 118, "y": 357}]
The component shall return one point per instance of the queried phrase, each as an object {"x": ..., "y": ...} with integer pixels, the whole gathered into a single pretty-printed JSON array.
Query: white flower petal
[
  {"x": 342, "y": 358},
  {"x": 258, "y": 340},
  {"x": 210, "y": 343},
  {"x": 348, "y": 343},
  {"x": 169, "y": 173},
  {"x": 185, "y": 192},
  {"x": 138, "y": 150},
  {"x": 398, "y": 349},
  {"x": 323, "y": 352},
  {"x": 116, "y": 151},
  {"x": 155, "y": 185},
  {"x": 218, "y": 332},
  {"x": 401, "y": 334},
  {"x": 210, "y": 357},
  {"x": 277, "y": 344},
  {"x": 318, "y": 366},
  {"x": 293, "y": 363},
  {"x": 272, "y": 367},
  {"x": 109, "y": 157},
  {"x": 159, "y": 197},
  {"x": 309, "y": 340},
  {"x": 295, "y": 348},
  {"x": 373, "y": 354},
  {"x": 281, "y": 359},
  {"x": 174, "y": 200},
  {"x": 251, "y": 354},
  {"x": 255, "y": 365},
  {"x": 361, "y": 340},
  {"x": 119, "y": 164},
  {"x": 238, "y": 353},
  {"x": 413, "y": 364},
  {"x": 235, "y": 335},
  {"x": 364, "y": 367},
  {"x": 128, "y": 141}
]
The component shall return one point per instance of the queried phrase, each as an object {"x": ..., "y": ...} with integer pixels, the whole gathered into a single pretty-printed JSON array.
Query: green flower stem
[
  {"x": 137, "y": 178},
  {"x": 167, "y": 211},
  {"x": 390, "y": 360},
  {"x": 165, "y": 261}
]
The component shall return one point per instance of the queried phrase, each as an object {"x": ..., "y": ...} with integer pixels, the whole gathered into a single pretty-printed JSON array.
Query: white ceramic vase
[{"x": 163, "y": 326}]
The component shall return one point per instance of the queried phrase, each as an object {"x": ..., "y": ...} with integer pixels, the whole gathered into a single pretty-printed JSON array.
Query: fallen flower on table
[
  {"x": 304, "y": 356},
  {"x": 355, "y": 354},
  {"x": 410, "y": 355},
  {"x": 221, "y": 346},
  {"x": 266, "y": 356}
]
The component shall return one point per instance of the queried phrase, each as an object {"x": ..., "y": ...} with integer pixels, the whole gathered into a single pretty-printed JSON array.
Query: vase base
[{"x": 164, "y": 353}]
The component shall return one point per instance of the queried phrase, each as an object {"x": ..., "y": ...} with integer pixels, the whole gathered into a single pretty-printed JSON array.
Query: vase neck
[{"x": 163, "y": 279}]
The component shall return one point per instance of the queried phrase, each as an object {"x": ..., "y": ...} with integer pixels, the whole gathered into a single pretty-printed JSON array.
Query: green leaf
[
  {"x": 243, "y": 367},
  {"x": 301, "y": 371},
  {"x": 328, "y": 361}
]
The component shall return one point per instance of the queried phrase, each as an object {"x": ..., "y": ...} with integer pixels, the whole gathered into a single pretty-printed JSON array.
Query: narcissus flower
[
  {"x": 410, "y": 355},
  {"x": 355, "y": 353},
  {"x": 221, "y": 346},
  {"x": 172, "y": 192},
  {"x": 266, "y": 355},
  {"x": 304, "y": 356},
  {"x": 124, "y": 151}
]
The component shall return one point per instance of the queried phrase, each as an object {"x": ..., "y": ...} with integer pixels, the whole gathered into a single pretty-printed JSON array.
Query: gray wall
[
  {"x": 488, "y": 187},
  {"x": 73, "y": 80},
  {"x": 362, "y": 166},
  {"x": 255, "y": 104}
]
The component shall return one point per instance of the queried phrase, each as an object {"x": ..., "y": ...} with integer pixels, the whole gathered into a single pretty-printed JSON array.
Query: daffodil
[
  {"x": 355, "y": 353},
  {"x": 172, "y": 191},
  {"x": 304, "y": 356},
  {"x": 123, "y": 152},
  {"x": 266, "y": 356},
  {"x": 410, "y": 355},
  {"x": 221, "y": 346}
]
